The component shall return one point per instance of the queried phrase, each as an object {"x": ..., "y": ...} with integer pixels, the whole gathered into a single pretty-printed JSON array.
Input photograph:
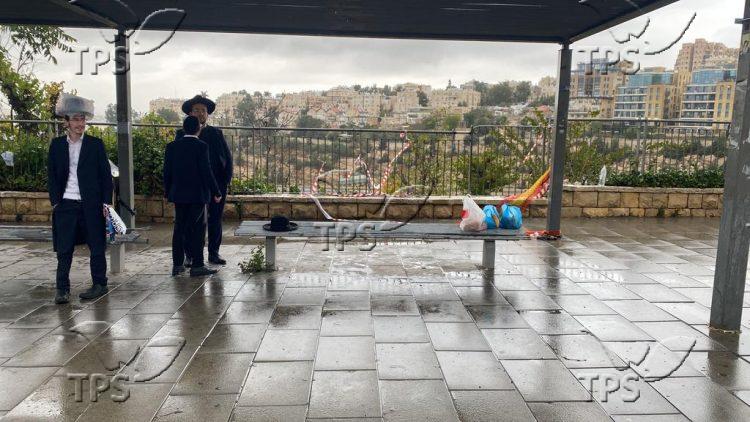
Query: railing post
[{"x": 471, "y": 161}]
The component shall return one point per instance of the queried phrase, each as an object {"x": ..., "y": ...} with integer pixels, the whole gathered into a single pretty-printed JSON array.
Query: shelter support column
[
  {"x": 734, "y": 233},
  {"x": 560, "y": 127},
  {"x": 124, "y": 143}
]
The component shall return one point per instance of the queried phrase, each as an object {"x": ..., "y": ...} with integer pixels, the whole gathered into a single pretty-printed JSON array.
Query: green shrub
[
  {"x": 712, "y": 177},
  {"x": 253, "y": 186}
]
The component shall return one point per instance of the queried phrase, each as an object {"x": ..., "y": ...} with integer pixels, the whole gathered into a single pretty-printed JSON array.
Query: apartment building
[
  {"x": 710, "y": 95},
  {"x": 649, "y": 94}
]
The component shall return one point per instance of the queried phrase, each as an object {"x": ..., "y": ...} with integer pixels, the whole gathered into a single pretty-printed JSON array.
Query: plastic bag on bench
[{"x": 472, "y": 217}]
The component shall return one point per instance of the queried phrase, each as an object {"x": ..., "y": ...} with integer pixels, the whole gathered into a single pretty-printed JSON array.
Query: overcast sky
[{"x": 218, "y": 63}]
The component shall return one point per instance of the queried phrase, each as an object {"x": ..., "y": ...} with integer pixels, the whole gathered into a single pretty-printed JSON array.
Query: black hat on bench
[{"x": 279, "y": 223}]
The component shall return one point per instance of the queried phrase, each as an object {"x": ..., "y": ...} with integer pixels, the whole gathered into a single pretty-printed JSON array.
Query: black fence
[{"x": 498, "y": 160}]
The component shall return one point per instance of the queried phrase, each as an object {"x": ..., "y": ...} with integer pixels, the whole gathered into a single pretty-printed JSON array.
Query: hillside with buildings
[{"x": 700, "y": 87}]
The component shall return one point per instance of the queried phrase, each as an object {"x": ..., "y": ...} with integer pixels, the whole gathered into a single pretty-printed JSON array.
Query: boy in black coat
[
  {"x": 190, "y": 185},
  {"x": 79, "y": 181},
  {"x": 220, "y": 158}
]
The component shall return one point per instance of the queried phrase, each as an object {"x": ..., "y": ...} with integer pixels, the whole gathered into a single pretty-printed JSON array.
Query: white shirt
[{"x": 71, "y": 188}]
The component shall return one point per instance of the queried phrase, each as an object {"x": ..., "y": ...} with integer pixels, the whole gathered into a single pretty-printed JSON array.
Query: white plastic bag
[
  {"x": 114, "y": 222},
  {"x": 472, "y": 217}
]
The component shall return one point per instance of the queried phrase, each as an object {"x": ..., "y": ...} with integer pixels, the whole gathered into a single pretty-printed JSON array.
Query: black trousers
[
  {"x": 188, "y": 237},
  {"x": 215, "y": 214},
  {"x": 73, "y": 223}
]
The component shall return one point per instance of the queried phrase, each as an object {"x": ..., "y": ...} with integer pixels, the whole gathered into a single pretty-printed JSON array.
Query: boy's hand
[{"x": 217, "y": 199}]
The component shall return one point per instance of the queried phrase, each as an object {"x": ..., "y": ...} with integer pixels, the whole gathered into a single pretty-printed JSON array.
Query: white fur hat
[{"x": 68, "y": 105}]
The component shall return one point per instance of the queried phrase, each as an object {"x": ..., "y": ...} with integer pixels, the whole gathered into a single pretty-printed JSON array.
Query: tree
[
  {"x": 20, "y": 48},
  {"x": 169, "y": 115},
  {"x": 254, "y": 110},
  {"x": 548, "y": 100},
  {"x": 498, "y": 95},
  {"x": 306, "y": 121},
  {"x": 522, "y": 92},
  {"x": 423, "y": 100},
  {"x": 110, "y": 114},
  {"x": 479, "y": 116}
]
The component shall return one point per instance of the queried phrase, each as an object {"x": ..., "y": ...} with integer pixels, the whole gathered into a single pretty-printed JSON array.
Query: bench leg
[
  {"x": 271, "y": 253},
  {"x": 488, "y": 254},
  {"x": 116, "y": 255}
]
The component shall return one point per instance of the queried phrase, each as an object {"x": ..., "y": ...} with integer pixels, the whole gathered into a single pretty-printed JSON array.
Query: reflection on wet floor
[{"x": 407, "y": 331}]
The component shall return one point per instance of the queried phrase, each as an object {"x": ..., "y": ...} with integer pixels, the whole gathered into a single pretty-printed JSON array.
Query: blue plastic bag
[
  {"x": 510, "y": 217},
  {"x": 491, "y": 216}
]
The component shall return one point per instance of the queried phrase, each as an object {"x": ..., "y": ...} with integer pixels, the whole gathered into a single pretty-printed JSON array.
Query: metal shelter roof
[{"x": 554, "y": 21}]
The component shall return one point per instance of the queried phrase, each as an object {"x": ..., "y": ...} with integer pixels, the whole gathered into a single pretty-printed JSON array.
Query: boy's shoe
[
  {"x": 96, "y": 291},
  {"x": 178, "y": 269},
  {"x": 201, "y": 271},
  {"x": 62, "y": 297}
]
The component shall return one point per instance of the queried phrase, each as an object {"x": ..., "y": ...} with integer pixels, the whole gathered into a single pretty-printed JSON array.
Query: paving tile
[
  {"x": 260, "y": 291},
  {"x": 632, "y": 396},
  {"x": 582, "y": 351},
  {"x": 657, "y": 293},
  {"x": 558, "y": 286},
  {"x": 491, "y": 406},
  {"x": 344, "y": 394},
  {"x": 347, "y": 301},
  {"x": 205, "y": 308},
  {"x": 277, "y": 383},
  {"x": 234, "y": 338},
  {"x": 53, "y": 401},
  {"x": 121, "y": 299},
  {"x": 401, "y": 361},
  {"x": 248, "y": 313},
  {"x": 47, "y": 316},
  {"x": 13, "y": 341},
  {"x": 517, "y": 344},
  {"x": 349, "y": 283},
  {"x": 584, "y": 275},
  {"x": 303, "y": 296},
  {"x": 17, "y": 383},
  {"x": 569, "y": 412},
  {"x": 417, "y": 400},
  {"x": 280, "y": 345},
  {"x": 496, "y": 317},
  {"x": 630, "y": 276},
  {"x": 639, "y": 310},
  {"x": 393, "y": 305},
  {"x": 400, "y": 329},
  {"x": 676, "y": 335},
  {"x": 443, "y": 311},
  {"x": 270, "y": 414},
  {"x": 673, "y": 280},
  {"x": 609, "y": 291},
  {"x": 347, "y": 323},
  {"x": 384, "y": 286},
  {"x": 102, "y": 356},
  {"x": 689, "y": 313},
  {"x": 296, "y": 317},
  {"x": 193, "y": 331},
  {"x": 345, "y": 353},
  {"x": 50, "y": 350},
  {"x": 700, "y": 399},
  {"x": 737, "y": 343},
  {"x": 11, "y": 311},
  {"x": 140, "y": 326},
  {"x": 612, "y": 328},
  {"x": 652, "y": 360},
  {"x": 142, "y": 404},
  {"x": 433, "y": 291},
  {"x": 159, "y": 303},
  {"x": 552, "y": 322},
  {"x": 214, "y": 373},
  {"x": 724, "y": 368},
  {"x": 545, "y": 380},
  {"x": 486, "y": 295},
  {"x": 456, "y": 336},
  {"x": 197, "y": 408},
  {"x": 216, "y": 287},
  {"x": 583, "y": 305},
  {"x": 650, "y": 418},
  {"x": 530, "y": 301},
  {"x": 473, "y": 371},
  {"x": 513, "y": 282}
]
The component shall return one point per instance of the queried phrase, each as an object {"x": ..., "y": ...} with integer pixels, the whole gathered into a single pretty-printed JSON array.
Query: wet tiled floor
[{"x": 610, "y": 323}]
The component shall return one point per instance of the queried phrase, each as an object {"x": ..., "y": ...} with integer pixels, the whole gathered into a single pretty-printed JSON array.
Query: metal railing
[{"x": 483, "y": 160}]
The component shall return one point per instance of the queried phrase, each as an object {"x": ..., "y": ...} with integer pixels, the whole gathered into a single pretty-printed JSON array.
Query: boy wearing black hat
[
  {"x": 190, "y": 185},
  {"x": 220, "y": 158}
]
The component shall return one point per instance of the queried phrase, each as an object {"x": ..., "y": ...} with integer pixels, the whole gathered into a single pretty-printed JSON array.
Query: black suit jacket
[
  {"x": 94, "y": 173},
  {"x": 219, "y": 154},
  {"x": 187, "y": 173}
]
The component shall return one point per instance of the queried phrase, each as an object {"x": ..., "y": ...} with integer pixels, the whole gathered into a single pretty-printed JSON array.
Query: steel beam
[
  {"x": 124, "y": 127},
  {"x": 734, "y": 236},
  {"x": 562, "y": 101}
]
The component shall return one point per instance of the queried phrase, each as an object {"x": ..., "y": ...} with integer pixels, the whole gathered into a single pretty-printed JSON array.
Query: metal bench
[
  {"x": 345, "y": 231},
  {"x": 44, "y": 234}
]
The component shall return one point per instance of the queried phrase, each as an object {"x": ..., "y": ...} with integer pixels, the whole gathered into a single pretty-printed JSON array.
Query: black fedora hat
[
  {"x": 187, "y": 106},
  {"x": 279, "y": 223}
]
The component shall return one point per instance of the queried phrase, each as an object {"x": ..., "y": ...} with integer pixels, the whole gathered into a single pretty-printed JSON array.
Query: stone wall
[{"x": 578, "y": 201}]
